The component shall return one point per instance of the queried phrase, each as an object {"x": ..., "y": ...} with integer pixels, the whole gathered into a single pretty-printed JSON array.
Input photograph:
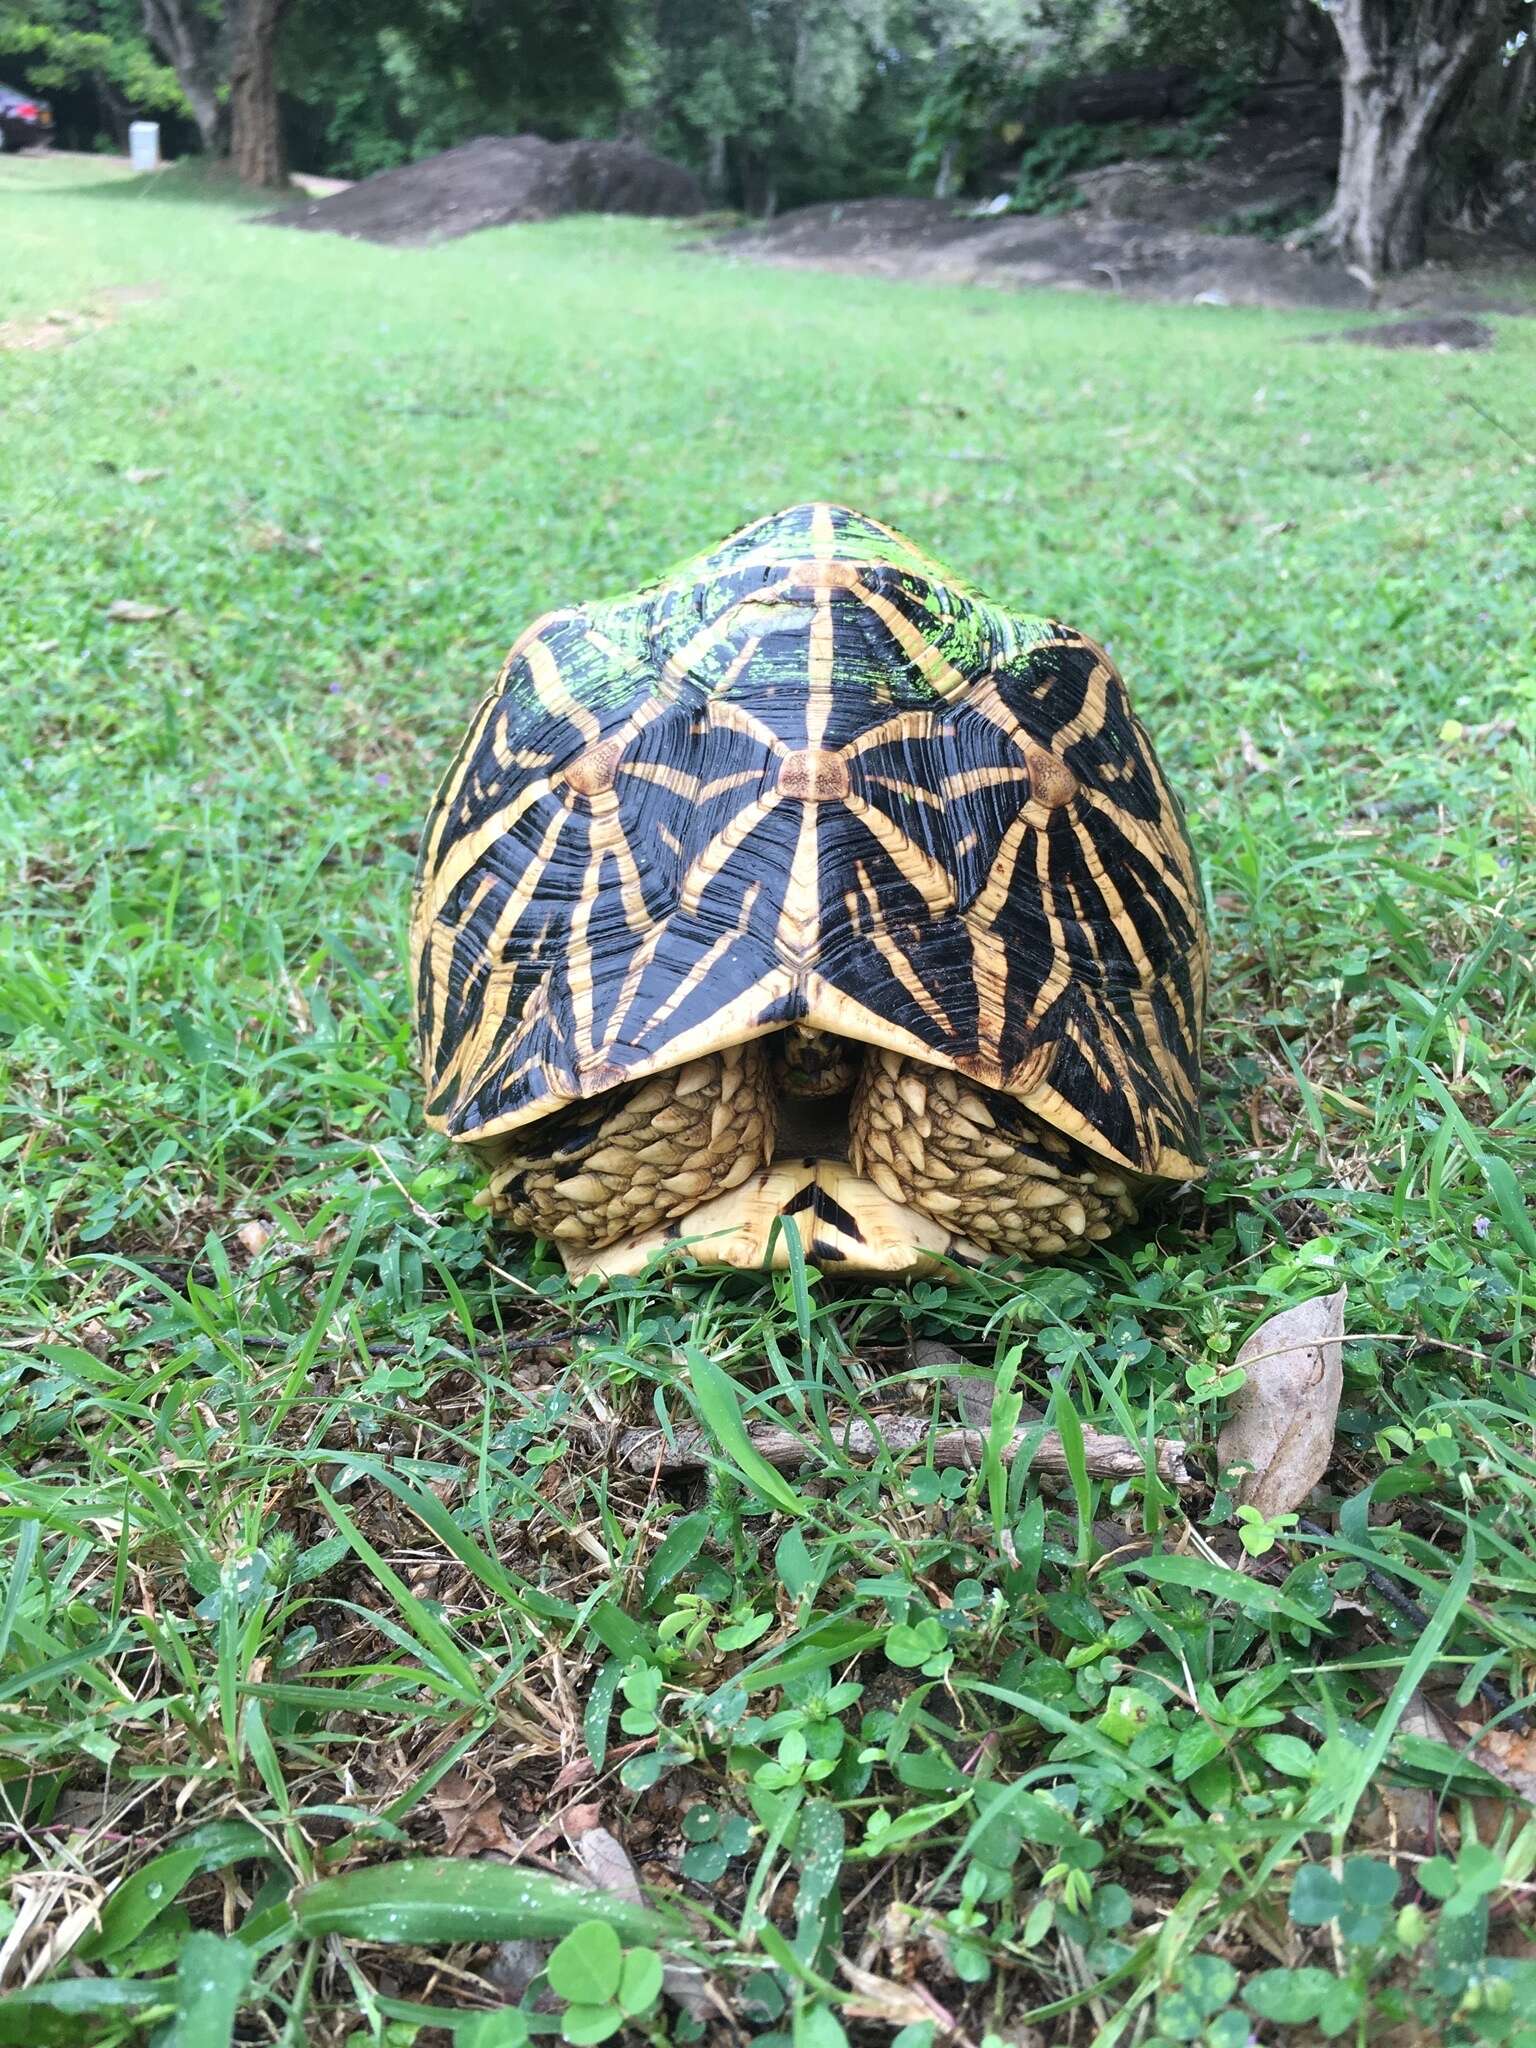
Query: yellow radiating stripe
[
  {"x": 1060, "y": 973},
  {"x": 1130, "y": 1084},
  {"x": 893, "y": 956},
  {"x": 736, "y": 718},
  {"x": 677, "y": 782},
  {"x": 930, "y": 880},
  {"x": 1105, "y": 1076},
  {"x": 438, "y": 939},
  {"x": 578, "y": 960},
  {"x": 496, "y": 1061},
  {"x": 905, "y": 725},
  {"x": 799, "y": 915},
  {"x": 733, "y": 1024},
  {"x": 989, "y": 972},
  {"x": 1178, "y": 844},
  {"x": 631, "y": 889},
  {"x": 473, "y": 1049},
  {"x": 724, "y": 783},
  {"x": 1120, "y": 917},
  {"x": 691, "y": 980},
  {"x": 465, "y": 852},
  {"x": 936, "y": 571},
  {"x": 682, "y": 664},
  {"x": 990, "y": 900},
  {"x": 907, "y": 789},
  {"x": 818, "y": 708},
  {"x": 924, "y": 656},
  {"x": 823, "y": 533},
  {"x": 969, "y": 780},
  {"x": 645, "y": 953},
  {"x": 1088, "y": 722},
  {"x": 1153, "y": 846},
  {"x": 549, "y": 687},
  {"x": 485, "y": 712},
  {"x": 704, "y": 867}
]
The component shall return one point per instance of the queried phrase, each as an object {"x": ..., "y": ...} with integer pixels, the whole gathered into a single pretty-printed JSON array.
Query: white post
[{"x": 144, "y": 145}]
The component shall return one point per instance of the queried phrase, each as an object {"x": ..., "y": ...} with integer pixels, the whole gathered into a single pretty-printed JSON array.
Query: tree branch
[{"x": 691, "y": 1450}]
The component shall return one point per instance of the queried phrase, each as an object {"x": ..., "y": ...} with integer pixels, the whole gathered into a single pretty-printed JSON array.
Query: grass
[{"x": 315, "y": 1561}]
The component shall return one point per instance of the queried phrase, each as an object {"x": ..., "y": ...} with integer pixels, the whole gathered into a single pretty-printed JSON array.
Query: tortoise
[{"x": 808, "y": 884}]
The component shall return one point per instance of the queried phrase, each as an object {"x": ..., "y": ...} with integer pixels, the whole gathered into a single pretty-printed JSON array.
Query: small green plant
[
  {"x": 1260, "y": 1533},
  {"x": 713, "y": 1838},
  {"x": 604, "y": 1985}
]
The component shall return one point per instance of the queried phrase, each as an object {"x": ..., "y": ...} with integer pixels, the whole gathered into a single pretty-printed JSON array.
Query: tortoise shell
[{"x": 810, "y": 791}]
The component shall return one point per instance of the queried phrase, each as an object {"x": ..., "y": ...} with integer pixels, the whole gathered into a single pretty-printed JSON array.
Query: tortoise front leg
[
  {"x": 979, "y": 1162},
  {"x": 627, "y": 1161}
]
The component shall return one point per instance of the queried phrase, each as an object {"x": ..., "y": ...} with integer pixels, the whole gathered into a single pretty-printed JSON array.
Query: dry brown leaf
[
  {"x": 473, "y": 1819},
  {"x": 1282, "y": 1421},
  {"x": 1252, "y": 758},
  {"x": 128, "y": 611},
  {"x": 605, "y": 1864},
  {"x": 606, "y": 1867},
  {"x": 973, "y": 1395},
  {"x": 892, "y": 2004},
  {"x": 1507, "y": 1756},
  {"x": 254, "y": 1237}
]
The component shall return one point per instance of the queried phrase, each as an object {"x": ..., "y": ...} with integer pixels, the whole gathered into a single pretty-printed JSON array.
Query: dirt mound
[
  {"x": 928, "y": 241},
  {"x": 1272, "y": 169},
  {"x": 494, "y": 180},
  {"x": 1452, "y": 331}
]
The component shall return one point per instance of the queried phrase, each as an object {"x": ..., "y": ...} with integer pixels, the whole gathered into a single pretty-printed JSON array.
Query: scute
[{"x": 810, "y": 777}]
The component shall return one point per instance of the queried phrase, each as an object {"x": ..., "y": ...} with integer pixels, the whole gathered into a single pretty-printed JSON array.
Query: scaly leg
[
  {"x": 625, "y": 1162},
  {"x": 979, "y": 1162}
]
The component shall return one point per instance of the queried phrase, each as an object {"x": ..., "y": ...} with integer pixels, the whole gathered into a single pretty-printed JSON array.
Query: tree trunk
[
  {"x": 189, "y": 43},
  {"x": 714, "y": 176},
  {"x": 114, "y": 110},
  {"x": 1408, "y": 66},
  {"x": 255, "y": 129}
]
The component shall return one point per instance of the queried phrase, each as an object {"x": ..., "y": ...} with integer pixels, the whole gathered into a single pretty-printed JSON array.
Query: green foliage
[
  {"x": 774, "y": 102},
  {"x": 372, "y": 85},
  {"x": 604, "y": 1985},
  {"x": 59, "y": 44}
]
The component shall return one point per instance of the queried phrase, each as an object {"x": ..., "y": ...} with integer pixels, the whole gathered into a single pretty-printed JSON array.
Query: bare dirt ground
[
  {"x": 928, "y": 241},
  {"x": 1196, "y": 230},
  {"x": 495, "y": 180}
]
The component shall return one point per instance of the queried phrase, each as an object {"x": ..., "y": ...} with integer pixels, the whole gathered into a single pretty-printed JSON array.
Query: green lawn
[{"x": 306, "y": 1569}]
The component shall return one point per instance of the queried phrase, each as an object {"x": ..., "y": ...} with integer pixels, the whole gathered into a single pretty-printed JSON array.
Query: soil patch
[
  {"x": 1218, "y": 228},
  {"x": 1273, "y": 168},
  {"x": 53, "y": 330},
  {"x": 928, "y": 241},
  {"x": 1453, "y": 331},
  {"x": 495, "y": 180}
]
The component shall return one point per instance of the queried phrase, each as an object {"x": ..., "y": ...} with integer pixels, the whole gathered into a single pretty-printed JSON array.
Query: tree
[
  {"x": 225, "y": 56},
  {"x": 93, "y": 53},
  {"x": 1411, "y": 70},
  {"x": 187, "y": 39},
  {"x": 368, "y": 84},
  {"x": 769, "y": 99},
  {"x": 255, "y": 130}
]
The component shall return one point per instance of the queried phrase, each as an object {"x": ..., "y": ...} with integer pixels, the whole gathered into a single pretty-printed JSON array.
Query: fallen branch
[{"x": 690, "y": 1450}]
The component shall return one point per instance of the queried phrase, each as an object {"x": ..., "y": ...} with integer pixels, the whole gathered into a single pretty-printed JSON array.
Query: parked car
[{"x": 24, "y": 119}]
